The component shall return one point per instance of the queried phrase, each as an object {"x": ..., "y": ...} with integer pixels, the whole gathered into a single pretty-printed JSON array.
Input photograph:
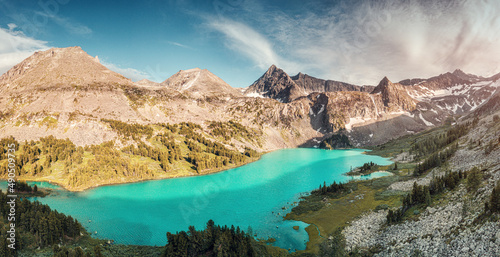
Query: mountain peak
[
  {"x": 458, "y": 72},
  {"x": 272, "y": 69},
  {"x": 382, "y": 85},
  {"x": 384, "y": 82},
  {"x": 394, "y": 96},
  {"x": 69, "y": 66},
  {"x": 146, "y": 82},
  {"x": 276, "y": 84},
  {"x": 191, "y": 70},
  {"x": 199, "y": 83}
]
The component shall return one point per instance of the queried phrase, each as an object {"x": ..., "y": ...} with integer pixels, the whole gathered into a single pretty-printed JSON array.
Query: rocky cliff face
[
  {"x": 311, "y": 84},
  {"x": 275, "y": 84},
  {"x": 394, "y": 96},
  {"x": 392, "y": 108}
]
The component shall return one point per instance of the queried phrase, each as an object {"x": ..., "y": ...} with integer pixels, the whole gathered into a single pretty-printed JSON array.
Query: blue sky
[{"x": 348, "y": 40}]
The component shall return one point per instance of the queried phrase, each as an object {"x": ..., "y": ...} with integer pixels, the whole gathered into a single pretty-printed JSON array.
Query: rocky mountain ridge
[
  {"x": 277, "y": 84},
  {"x": 74, "y": 91}
]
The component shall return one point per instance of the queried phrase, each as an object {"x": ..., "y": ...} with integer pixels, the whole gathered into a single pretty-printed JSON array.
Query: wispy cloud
[
  {"x": 15, "y": 47},
  {"x": 179, "y": 45},
  {"x": 362, "y": 41},
  {"x": 250, "y": 43},
  {"x": 71, "y": 26}
]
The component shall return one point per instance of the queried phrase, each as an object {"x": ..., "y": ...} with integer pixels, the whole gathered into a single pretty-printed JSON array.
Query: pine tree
[
  {"x": 427, "y": 196},
  {"x": 474, "y": 179},
  {"x": 495, "y": 199}
]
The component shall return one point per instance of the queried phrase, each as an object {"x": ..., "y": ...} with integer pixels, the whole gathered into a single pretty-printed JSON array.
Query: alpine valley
[{"x": 80, "y": 125}]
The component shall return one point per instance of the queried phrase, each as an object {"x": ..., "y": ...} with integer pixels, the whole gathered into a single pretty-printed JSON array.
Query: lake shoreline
[
  {"x": 295, "y": 168},
  {"x": 312, "y": 229},
  {"x": 210, "y": 172},
  {"x": 82, "y": 189}
]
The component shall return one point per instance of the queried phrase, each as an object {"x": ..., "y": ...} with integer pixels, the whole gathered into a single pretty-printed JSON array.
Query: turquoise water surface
[{"x": 251, "y": 195}]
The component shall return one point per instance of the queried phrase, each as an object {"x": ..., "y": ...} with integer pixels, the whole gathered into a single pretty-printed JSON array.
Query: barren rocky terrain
[{"x": 449, "y": 227}]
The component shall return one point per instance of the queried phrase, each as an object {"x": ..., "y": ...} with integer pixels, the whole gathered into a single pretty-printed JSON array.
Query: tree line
[
  {"x": 435, "y": 160},
  {"x": 134, "y": 131},
  {"x": 36, "y": 224},
  {"x": 230, "y": 129},
  {"x": 212, "y": 241},
  {"x": 421, "y": 195},
  {"x": 107, "y": 163},
  {"x": 166, "y": 157},
  {"x": 334, "y": 188},
  {"x": 203, "y": 149},
  {"x": 435, "y": 143}
]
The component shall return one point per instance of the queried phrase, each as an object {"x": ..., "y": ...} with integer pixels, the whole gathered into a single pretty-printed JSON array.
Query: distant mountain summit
[
  {"x": 276, "y": 84},
  {"x": 394, "y": 96},
  {"x": 445, "y": 80},
  {"x": 200, "y": 83},
  {"x": 60, "y": 67},
  {"x": 146, "y": 83}
]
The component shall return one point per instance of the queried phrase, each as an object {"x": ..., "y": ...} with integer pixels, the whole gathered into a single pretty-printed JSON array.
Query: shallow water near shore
[{"x": 258, "y": 194}]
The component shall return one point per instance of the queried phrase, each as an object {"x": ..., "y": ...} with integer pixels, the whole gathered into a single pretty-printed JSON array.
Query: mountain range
[{"x": 66, "y": 93}]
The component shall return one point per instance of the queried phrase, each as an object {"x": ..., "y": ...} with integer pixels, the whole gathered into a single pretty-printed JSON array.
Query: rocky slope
[
  {"x": 74, "y": 91},
  {"x": 379, "y": 113},
  {"x": 65, "y": 93},
  {"x": 448, "y": 227},
  {"x": 146, "y": 83}
]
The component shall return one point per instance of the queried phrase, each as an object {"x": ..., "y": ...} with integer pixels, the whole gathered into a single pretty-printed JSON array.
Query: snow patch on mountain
[{"x": 428, "y": 124}]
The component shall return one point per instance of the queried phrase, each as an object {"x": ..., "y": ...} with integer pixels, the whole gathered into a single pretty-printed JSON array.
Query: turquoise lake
[{"x": 251, "y": 195}]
